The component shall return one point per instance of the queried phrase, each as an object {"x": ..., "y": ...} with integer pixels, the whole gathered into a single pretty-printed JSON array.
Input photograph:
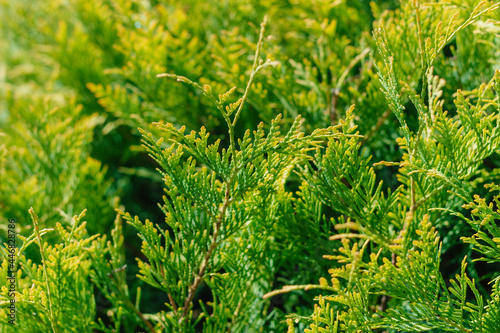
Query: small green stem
[{"x": 255, "y": 68}]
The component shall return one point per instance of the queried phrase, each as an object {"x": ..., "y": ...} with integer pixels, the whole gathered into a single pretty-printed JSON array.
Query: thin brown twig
[
  {"x": 144, "y": 320},
  {"x": 204, "y": 264},
  {"x": 169, "y": 293},
  {"x": 409, "y": 217},
  {"x": 333, "y": 105},
  {"x": 335, "y": 92}
]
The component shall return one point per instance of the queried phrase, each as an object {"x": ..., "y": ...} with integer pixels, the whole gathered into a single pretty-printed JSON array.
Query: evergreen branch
[
  {"x": 453, "y": 324},
  {"x": 213, "y": 245},
  {"x": 238, "y": 308},
  {"x": 121, "y": 294},
  {"x": 386, "y": 298},
  {"x": 139, "y": 313},
  {"x": 134, "y": 308},
  {"x": 52, "y": 318},
  {"x": 421, "y": 47},
  {"x": 473, "y": 17}
]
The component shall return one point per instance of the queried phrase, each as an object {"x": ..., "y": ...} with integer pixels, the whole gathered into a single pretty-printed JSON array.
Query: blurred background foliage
[{"x": 77, "y": 77}]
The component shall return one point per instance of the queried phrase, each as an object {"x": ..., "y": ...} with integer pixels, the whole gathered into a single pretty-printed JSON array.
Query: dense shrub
[{"x": 250, "y": 166}]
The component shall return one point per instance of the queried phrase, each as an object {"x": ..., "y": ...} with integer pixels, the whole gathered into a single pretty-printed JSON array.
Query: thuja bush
[{"x": 250, "y": 166}]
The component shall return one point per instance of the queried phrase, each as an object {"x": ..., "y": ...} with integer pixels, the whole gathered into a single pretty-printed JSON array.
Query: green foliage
[
  {"x": 56, "y": 294},
  {"x": 335, "y": 172}
]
